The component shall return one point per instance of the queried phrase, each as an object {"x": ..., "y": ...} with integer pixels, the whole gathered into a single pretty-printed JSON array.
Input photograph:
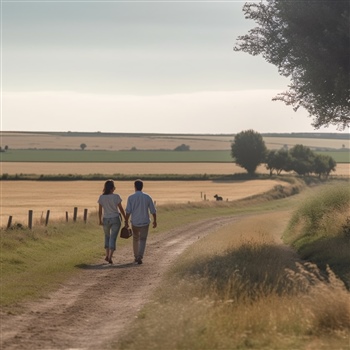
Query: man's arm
[
  {"x": 154, "y": 220},
  {"x": 127, "y": 216}
]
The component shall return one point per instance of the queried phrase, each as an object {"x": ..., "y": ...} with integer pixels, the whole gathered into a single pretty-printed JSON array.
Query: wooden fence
[{"x": 30, "y": 218}]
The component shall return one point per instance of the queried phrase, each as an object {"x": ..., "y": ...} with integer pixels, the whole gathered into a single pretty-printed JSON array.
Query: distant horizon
[{"x": 175, "y": 134}]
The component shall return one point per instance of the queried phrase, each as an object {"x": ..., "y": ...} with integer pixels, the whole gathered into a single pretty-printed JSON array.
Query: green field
[{"x": 217, "y": 156}]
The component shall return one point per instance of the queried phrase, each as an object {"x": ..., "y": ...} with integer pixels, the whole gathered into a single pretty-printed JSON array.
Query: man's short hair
[{"x": 138, "y": 185}]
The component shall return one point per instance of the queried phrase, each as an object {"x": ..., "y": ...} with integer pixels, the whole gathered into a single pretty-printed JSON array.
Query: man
[{"x": 139, "y": 206}]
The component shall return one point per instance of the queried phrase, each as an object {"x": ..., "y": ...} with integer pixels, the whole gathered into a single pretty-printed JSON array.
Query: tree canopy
[
  {"x": 248, "y": 150},
  {"x": 309, "y": 41},
  {"x": 300, "y": 159}
]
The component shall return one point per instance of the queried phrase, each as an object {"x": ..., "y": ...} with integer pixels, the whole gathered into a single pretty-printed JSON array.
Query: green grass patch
[
  {"x": 33, "y": 262},
  {"x": 115, "y": 156},
  {"x": 137, "y": 156},
  {"x": 341, "y": 156}
]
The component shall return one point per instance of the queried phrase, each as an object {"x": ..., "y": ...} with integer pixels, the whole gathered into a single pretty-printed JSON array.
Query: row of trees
[{"x": 249, "y": 151}]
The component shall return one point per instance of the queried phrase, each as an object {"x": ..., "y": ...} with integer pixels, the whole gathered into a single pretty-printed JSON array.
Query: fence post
[
  {"x": 85, "y": 215},
  {"x": 47, "y": 217},
  {"x": 75, "y": 214},
  {"x": 30, "y": 219},
  {"x": 67, "y": 216},
  {"x": 9, "y": 222}
]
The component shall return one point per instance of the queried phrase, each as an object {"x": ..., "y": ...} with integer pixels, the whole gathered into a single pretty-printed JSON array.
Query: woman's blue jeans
[{"x": 111, "y": 227}]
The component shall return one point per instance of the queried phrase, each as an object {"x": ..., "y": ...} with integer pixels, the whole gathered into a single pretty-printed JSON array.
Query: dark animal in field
[{"x": 218, "y": 198}]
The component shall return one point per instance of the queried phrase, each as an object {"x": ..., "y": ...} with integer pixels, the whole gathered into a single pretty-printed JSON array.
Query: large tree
[
  {"x": 248, "y": 150},
  {"x": 309, "y": 42}
]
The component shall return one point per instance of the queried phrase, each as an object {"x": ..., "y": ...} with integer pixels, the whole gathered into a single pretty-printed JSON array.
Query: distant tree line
[{"x": 249, "y": 151}]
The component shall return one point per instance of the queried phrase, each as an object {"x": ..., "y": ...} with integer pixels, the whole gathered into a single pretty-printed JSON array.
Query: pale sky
[{"x": 136, "y": 66}]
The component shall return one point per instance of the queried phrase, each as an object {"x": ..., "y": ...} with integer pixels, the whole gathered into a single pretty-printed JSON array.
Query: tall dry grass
[
  {"x": 320, "y": 229},
  {"x": 241, "y": 289}
]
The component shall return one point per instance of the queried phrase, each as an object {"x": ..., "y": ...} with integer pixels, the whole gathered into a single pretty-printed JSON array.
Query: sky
[{"x": 137, "y": 66}]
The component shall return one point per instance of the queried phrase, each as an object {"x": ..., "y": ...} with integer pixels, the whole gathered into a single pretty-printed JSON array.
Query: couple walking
[{"x": 138, "y": 207}]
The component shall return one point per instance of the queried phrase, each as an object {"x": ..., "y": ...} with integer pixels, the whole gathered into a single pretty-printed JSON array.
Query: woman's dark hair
[
  {"x": 109, "y": 187},
  {"x": 138, "y": 185}
]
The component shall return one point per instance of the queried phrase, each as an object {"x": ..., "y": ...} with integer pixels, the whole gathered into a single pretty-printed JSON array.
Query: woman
[{"x": 110, "y": 205}]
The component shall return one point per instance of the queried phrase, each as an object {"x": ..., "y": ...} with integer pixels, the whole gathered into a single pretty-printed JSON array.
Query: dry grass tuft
[
  {"x": 240, "y": 289},
  {"x": 324, "y": 297}
]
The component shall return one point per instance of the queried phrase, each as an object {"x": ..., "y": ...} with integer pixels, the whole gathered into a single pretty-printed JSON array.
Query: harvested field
[
  {"x": 136, "y": 168},
  {"x": 17, "y": 197},
  {"x": 98, "y": 141}
]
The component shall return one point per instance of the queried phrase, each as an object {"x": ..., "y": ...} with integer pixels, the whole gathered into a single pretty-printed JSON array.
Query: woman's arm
[
  {"x": 121, "y": 209},
  {"x": 100, "y": 214}
]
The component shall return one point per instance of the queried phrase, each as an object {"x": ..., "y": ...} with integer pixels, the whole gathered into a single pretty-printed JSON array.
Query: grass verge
[
  {"x": 320, "y": 230},
  {"x": 239, "y": 288},
  {"x": 33, "y": 262}
]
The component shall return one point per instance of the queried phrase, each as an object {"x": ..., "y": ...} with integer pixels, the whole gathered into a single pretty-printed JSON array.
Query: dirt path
[{"x": 93, "y": 308}]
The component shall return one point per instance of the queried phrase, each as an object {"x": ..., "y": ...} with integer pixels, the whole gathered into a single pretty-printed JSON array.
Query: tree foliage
[
  {"x": 248, "y": 150},
  {"x": 323, "y": 165},
  {"x": 309, "y": 42},
  {"x": 83, "y": 146},
  {"x": 278, "y": 160},
  {"x": 182, "y": 148},
  {"x": 301, "y": 160}
]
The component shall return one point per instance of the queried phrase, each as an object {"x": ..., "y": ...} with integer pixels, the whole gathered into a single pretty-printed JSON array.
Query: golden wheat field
[
  {"x": 137, "y": 168},
  {"x": 17, "y": 197}
]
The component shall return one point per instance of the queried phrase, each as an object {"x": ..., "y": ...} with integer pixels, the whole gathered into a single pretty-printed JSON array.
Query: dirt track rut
[{"x": 95, "y": 307}]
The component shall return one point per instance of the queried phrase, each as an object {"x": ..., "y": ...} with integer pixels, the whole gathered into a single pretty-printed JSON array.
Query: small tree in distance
[
  {"x": 83, "y": 146},
  {"x": 182, "y": 147},
  {"x": 248, "y": 150}
]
